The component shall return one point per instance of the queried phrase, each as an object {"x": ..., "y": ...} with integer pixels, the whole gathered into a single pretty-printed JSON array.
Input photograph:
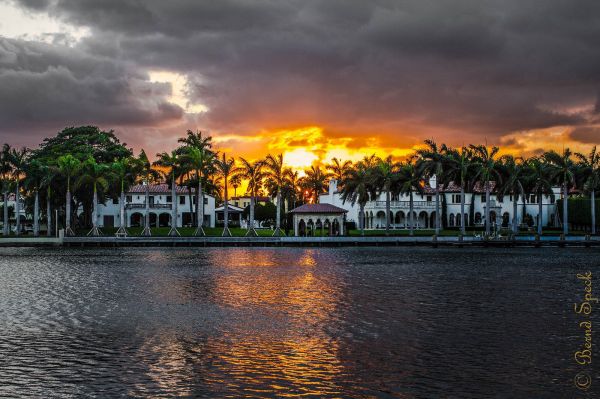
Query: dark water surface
[{"x": 276, "y": 322}]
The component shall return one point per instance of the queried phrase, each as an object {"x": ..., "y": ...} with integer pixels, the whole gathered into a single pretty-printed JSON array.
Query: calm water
[{"x": 254, "y": 322}]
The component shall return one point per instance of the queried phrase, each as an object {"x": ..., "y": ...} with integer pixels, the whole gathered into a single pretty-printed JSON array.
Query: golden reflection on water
[{"x": 279, "y": 341}]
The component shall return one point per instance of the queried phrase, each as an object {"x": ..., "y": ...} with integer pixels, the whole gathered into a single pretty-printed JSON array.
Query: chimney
[{"x": 332, "y": 186}]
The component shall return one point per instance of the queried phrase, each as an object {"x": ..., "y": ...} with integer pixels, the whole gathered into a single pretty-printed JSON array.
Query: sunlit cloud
[{"x": 179, "y": 95}]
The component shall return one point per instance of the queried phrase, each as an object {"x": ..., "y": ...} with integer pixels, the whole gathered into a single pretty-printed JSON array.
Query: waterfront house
[{"x": 501, "y": 209}]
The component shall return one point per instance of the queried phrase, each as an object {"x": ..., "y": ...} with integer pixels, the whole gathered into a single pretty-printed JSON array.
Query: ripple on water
[{"x": 278, "y": 322}]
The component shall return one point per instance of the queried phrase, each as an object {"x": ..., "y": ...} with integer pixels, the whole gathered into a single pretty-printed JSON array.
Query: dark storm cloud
[
  {"x": 49, "y": 86},
  {"x": 462, "y": 67}
]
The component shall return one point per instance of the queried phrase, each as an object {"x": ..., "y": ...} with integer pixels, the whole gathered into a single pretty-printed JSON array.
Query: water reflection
[{"x": 274, "y": 322}]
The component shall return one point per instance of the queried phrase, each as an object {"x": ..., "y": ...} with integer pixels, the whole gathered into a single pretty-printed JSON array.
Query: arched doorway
[
  {"x": 302, "y": 228},
  {"x": 136, "y": 220},
  {"x": 164, "y": 220},
  {"x": 153, "y": 220},
  {"x": 505, "y": 219}
]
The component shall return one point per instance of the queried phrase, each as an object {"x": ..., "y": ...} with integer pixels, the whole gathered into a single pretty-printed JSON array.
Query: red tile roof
[
  {"x": 159, "y": 189},
  {"x": 318, "y": 208}
]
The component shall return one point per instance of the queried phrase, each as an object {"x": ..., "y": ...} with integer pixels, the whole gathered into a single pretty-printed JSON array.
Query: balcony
[
  {"x": 152, "y": 206},
  {"x": 401, "y": 205}
]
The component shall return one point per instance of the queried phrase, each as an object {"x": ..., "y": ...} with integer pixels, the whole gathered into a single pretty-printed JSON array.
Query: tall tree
[
  {"x": 590, "y": 171},
  {"x": 49, "y": 174},
  {"x": 540, "y": 179},
  {"x": 171, "y": 162},
  {"x": 410, "y": 180},
  {"x": 226, "y": 167},
  {"x": 236, "y": 181},
  {"x": 125, "y": 171},
  {"x": 563, "y": 174},
  {"x": 68, "y": 166},
  {"x": 314, "y": 181},
  {"x": 338, "y": 170},
  {"x": 276, "y": 176},
  {"x": 18, "y": 159},
  {"x": 514, "y": 182},
  {"x": 147, "y": 175},
  {"x": 6, "y": 170},
  {"x": 385, "y": 176},
  {"x": 253, "y": 172},
  {"x": 357, "y": 188},
  {"x": 433, "y": 160},
  {"x": 96, "y": 175},
  {"x": 200, "y": 160},
  {"x": 488, "y": 170},
  {"x": 459, "y": 169},
  {"x": 34, "y": 177}
]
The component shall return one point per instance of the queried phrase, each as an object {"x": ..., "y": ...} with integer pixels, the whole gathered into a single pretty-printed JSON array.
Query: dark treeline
[{"x": 83, "y": 166}]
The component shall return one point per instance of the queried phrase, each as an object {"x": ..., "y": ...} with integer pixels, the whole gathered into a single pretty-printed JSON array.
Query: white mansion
[
  {"x": 501, "y": 209},
  {"x": 160, "y": 204}
]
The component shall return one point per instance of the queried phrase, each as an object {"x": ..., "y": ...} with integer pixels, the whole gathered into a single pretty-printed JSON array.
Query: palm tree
[
  {"x": 385, "y": 176},
  {"x": 171, "y": 161},
  {"x": 235, "y": 181},
  {"x": 410, "y": 180},
  {"x": 338, "y": 170},
  {"x": 459, "y": 169},
  {"x": 538, "y": 174},
  {"x": 515, "y": 181},
  {"x": 591, "y": 174},
  {"x": 201, "y": 161},
  {"x": 488, "y": 170},
  {"x": 563, "y": 174},
  {"x": 124, "y": 170},
  {"x": 68, "y": 166},
  {"x": 253, "y": 172},
  {"x": 95, "y": 174},
  {"x": 357, "y": 188},
  {"x": 226, "y": 167},
  {"x": 148, "y": 175},
  {"x": 5, "y": 178},
  {"x": 433, "y": 161},
  {"x": 18, "y": 159},
  {"x": 276, "y": 175},
  {"x": 315, "y": 181},
  {"x": 49, "y": 174},
  {"x": 34, "y": 176}
]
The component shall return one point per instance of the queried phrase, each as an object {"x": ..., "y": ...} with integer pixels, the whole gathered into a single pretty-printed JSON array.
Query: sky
[{"x": 311, "y": 79}]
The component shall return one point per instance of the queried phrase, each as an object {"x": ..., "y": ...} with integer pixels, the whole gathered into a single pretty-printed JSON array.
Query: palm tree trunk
[
  {"x": 48, "y": 214},
  {"x": 487, "y": 208},
  {"x": 6, "y": 222},
  {"x": 411, "y": 231},
  {"x": 122, "y": 231},
  {"x": 95, "y": 231},
  {"x": 437, "y": 208},
  {"x": 199, "y": 210},
  {"x": 251, "y": 231},
  {"x": 17, "y": 210},
  {"x": 68, "y": 230},
  {"x": 226, "y": 231},
  {"x": 173, "y": 232},
  {"x": 387, "y": 212},
  {"x": 361, "y": 220},
  {"x": 36, "y": 214},
  {"x": 462, "y": 210},
  {"x": 593, "y": 209},
  {"x": 277, "y": 231},
  {"x": 147, "y": 231},
  {"x": 515, "y": 222},
  {"x": 540, "y": 210},
  {"x": 565, "y": 209}
]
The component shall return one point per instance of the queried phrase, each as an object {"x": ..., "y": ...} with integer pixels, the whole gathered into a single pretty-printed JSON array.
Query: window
[
  {"x": 169, "y": 198},
  {"x": 128, "y": 199},
  {"x": 181, "y": 200},
  {"x": 115, "y": 201},
  {"x": 533, "y": 199},
  {"x": 483, "y": 198},
  {"x": 429, "y": 198},
  {"x": 552, "y": 200},
  {"x": 205, "y": 201}
]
